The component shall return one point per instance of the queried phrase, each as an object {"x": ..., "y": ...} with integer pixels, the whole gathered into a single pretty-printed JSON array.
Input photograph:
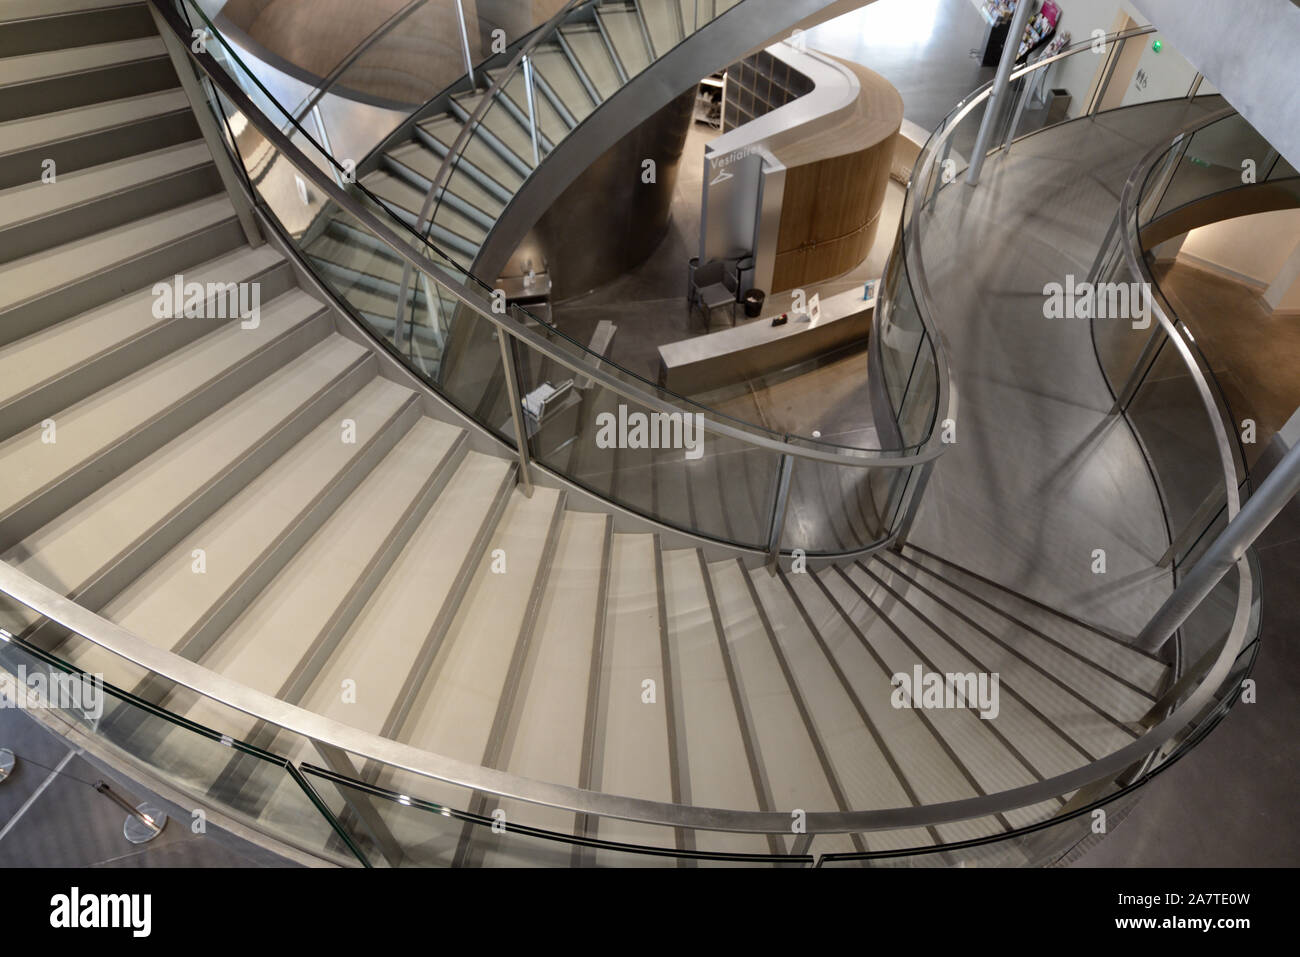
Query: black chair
[{"x": 713, "y": 285}]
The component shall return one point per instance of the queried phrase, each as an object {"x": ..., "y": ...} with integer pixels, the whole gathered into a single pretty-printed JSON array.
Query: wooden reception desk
[{"x": 757, "y": 347}]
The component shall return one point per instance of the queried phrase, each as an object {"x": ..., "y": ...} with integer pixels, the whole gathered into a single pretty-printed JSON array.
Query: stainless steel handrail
[
  {"x": 424, "y": 221},
  {"x": 595, "y": 370},
  {"x": 119, "y": 641},
  {"x": 318, "y": 728}
]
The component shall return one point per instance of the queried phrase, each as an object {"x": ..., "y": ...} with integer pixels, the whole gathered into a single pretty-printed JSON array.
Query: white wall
[
  {"x": 1256, "y": 249},
  {"x": 1168, "y": 73},
  {"x": 1248, "y": 48}
]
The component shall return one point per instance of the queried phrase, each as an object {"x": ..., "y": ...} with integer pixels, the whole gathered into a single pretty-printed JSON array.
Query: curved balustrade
[
  {"x": 439, "y": 318},
  {"x": 293, "y": 807}
]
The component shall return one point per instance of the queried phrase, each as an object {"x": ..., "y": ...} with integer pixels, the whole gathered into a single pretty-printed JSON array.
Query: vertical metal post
[
  {"x": 1255, "y": 516},
  {"x": 464, "y": 40},
  {"x": 338, "y": 761},
  {"x": 1113, "y": 62},
  {"x": 516, "y": 409},
  {"x": 325, "y": 142},
  {"x": 1027, "y": 80},
  {"x": 913, "y": 505},
  {"x": 996, "y": 95},
  {"x": 778, "y": 511},
  {"x": 1150, "y": 352},
  {"x": 532, "y": 108}
]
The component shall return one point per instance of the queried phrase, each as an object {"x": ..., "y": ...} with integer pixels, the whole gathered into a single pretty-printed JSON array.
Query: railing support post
[
  {"x": 464, "y": 42},
  {"x": 1256, "y": 515},
  {"x": 1000, "y": 83},
  {"x": 913, "y": 506},
  {"x": 506, "y": 343},
  {"x": 360, "y": 804},
  {"x": 778, "y": 512},
  {"x": 1021, "y": 102},
  {"x": 1111, "y": 63},
  {"x": 530, "y": 92},
  {"x": 1150, "y": 352}
]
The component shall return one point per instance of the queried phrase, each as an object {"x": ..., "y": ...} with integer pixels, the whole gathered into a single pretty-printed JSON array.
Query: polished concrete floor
[
  {"x": 1232, "y": 801},
  {"x": 1040, "y": 476},
  {"x": 1253, "y": 352},
  {"x": 52, "y": 816},
  {"x": 649, "y": 307}
]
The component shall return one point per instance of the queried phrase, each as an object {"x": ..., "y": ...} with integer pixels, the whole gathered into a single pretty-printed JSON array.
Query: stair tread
[
  {"x": 1051, "y": 697},
  {"x": 547, "y": 743},
  {"x": 862, "y": 769},
  {"x": 30, "y": 67},
  {"x": 31, "y": 201},
  {"x": 931, "y": 772},
  {"x": 454, "y": 713},
  {"x": 985, "y": 757},
  {"x": 552, "y": 64},
  {"x": 12, "y": 10},
  {"x": 401, "y": 193},
  {"x": 382, "y": 644},
  {"x": 634, "y": 759},
  {"x": 359, "y": 259},
  {"x": 166, "y": 603},
  {"x": 794, "y": 773},
  {"x": 589, "y": 49},
  {"x": 31, "y": 277},
  {"x": 93, "y": 425},
  {"x": 65, "y": 346},
  {"x": 49, "y": 128},
  {"x": 625, "y": 33},
  {"x": 1042, "y": 746},
  {"x": 661, "y": 23},
  {"x": 719, "y": 774},
  {"x": 549, "y": 121},
  {"x": 1108, "y": 653},
  {"x": 425, "y": 163},
  {"x": 65, "y": 553},
  {"x": 446, "y": 128},
  {"x": 267, "y": 643}
]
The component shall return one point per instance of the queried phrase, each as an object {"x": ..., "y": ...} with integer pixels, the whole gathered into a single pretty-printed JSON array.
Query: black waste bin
[{"x": 754, "y": 303}]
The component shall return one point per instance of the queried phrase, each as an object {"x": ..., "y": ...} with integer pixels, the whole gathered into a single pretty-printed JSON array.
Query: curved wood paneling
[{"x": 835, "y": 185}]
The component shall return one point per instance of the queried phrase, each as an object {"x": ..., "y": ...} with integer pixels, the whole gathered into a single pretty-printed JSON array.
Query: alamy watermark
[
  {"x": 53, "y": 690},
  {"x": 934, "y": 691},
  {"x": 1130, "y": 301},
  {"x": 213, "y": 300},
  {"x": 653, "y": 430}
]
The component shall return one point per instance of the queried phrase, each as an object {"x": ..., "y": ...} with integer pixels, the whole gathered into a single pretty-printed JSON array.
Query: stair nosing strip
[
  {"x": 510, "y": 699},
  {"x": 883, "y": 667},
  {"x": 1014, "y": 751},
  {"x": 748, "y": 736},
  {"x": 899, "y": 774},
  {"x": 1015, "y": 619},
  {"x": 1112, "y": 719},
  {"x": 593, "y": 725},
  {"x": 980, "y": 665}
]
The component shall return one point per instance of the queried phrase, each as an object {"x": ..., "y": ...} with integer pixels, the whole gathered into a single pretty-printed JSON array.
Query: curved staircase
[{"x": 268, "y": 499}]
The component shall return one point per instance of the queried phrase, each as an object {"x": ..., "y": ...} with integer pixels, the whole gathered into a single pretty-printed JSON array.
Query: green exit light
[{"x": 1158, "y": 45}]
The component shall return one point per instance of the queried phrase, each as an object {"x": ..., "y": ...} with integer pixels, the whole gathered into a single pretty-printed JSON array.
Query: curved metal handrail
[
  {"x": 123, "y": 643},
  {"x": 386, "y": 231}
]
